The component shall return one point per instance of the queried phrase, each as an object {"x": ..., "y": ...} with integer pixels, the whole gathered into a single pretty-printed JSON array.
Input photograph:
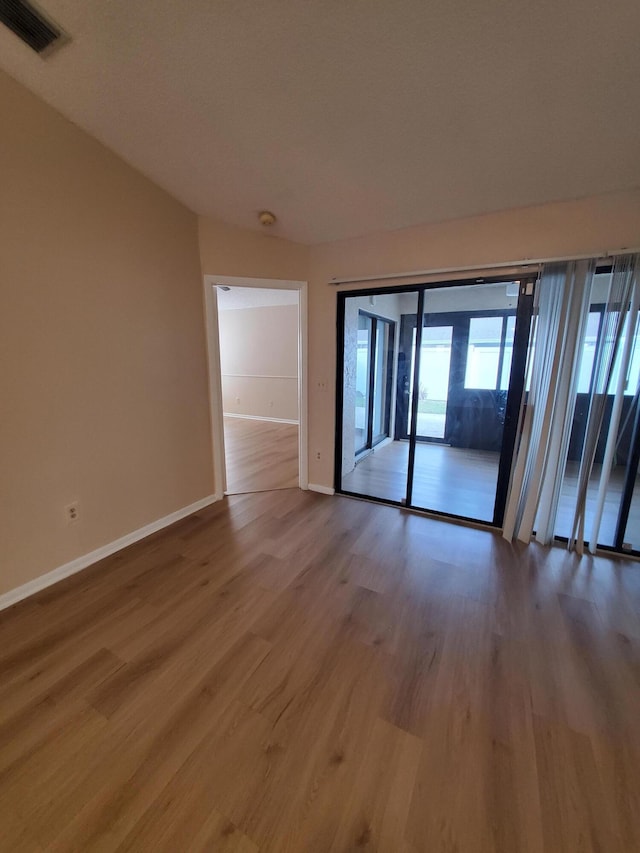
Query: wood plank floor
[
  {"x": 446, "y": 479},
  {"x": 286, "y": 671},
  {"x": 260, "y": 455},
  {"x": 463, "y": 482}
]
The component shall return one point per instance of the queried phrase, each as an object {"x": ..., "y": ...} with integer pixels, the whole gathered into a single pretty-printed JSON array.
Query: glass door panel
[
  {"x": 376, "y": 390},
  {"x": 466, "y": 345}
]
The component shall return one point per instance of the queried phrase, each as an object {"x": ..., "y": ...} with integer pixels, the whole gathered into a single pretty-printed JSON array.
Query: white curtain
[
  {"x": 613, "y": 349},
  {"x": 561, "y": 309},
  {"x": 561, "y": 306}
]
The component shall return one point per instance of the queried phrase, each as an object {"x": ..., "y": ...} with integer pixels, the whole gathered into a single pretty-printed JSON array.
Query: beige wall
[
  {"x": 103, "y": 394},
  {"x": 228, "y": 250},
  {"x": 586, "y": 226},
  {"x": 259, "y": 361}
]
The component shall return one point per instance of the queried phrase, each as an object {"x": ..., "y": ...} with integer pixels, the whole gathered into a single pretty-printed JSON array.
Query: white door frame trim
[{"x": 215, "y": 378}]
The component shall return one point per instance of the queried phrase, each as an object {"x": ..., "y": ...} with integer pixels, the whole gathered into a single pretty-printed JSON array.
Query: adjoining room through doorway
[{"x": 259, "y": 343}]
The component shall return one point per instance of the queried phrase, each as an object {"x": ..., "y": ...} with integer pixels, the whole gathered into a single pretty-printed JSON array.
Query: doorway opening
[{"x": 256, "y": 339}]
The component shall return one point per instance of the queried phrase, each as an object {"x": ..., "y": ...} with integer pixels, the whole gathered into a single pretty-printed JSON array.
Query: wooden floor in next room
[
  {"x": 260, "y": 455},
  {"x": 287, "y": 671}
]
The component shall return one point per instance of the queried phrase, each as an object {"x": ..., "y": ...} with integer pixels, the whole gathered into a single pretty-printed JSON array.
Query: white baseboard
[
  {"x": 80, "y": 563},
  {"x": 260, "y": 418},
  {"x": 324, "y": 490}
]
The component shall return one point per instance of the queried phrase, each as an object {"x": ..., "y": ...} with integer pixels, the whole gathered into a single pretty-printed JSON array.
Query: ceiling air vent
[{"x": 29, "y": 24}]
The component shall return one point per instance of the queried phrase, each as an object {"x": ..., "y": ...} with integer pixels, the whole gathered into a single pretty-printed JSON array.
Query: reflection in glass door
[
  {"x": 382, "y": 380},
  {"x": 373, "y": 385},
  {"x": 363, "y": 375},
  {"x": 457, "y": 379},
  {"x": 433, "y": 388}
]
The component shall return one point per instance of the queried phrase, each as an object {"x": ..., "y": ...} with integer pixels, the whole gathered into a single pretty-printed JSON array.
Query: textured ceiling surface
[{"x": 347, "y": 117}]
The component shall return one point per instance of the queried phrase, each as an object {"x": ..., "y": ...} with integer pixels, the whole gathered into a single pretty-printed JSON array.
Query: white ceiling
[
  {"x": 351, "y": 116},
  {"x": 254, "y": 297}
]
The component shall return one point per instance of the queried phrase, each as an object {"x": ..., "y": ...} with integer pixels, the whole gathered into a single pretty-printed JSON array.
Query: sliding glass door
[
  {"x": 432, "y": 386},
  {"x": 453, "y": 399},
  {"x": 375, "y": 395}
]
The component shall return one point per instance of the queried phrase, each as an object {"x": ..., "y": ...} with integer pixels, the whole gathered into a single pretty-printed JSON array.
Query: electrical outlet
[
  {"x": 321, "y": 385},
  {"x": 72, "y": 512},
  {"x": 318, "y": 454}
]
